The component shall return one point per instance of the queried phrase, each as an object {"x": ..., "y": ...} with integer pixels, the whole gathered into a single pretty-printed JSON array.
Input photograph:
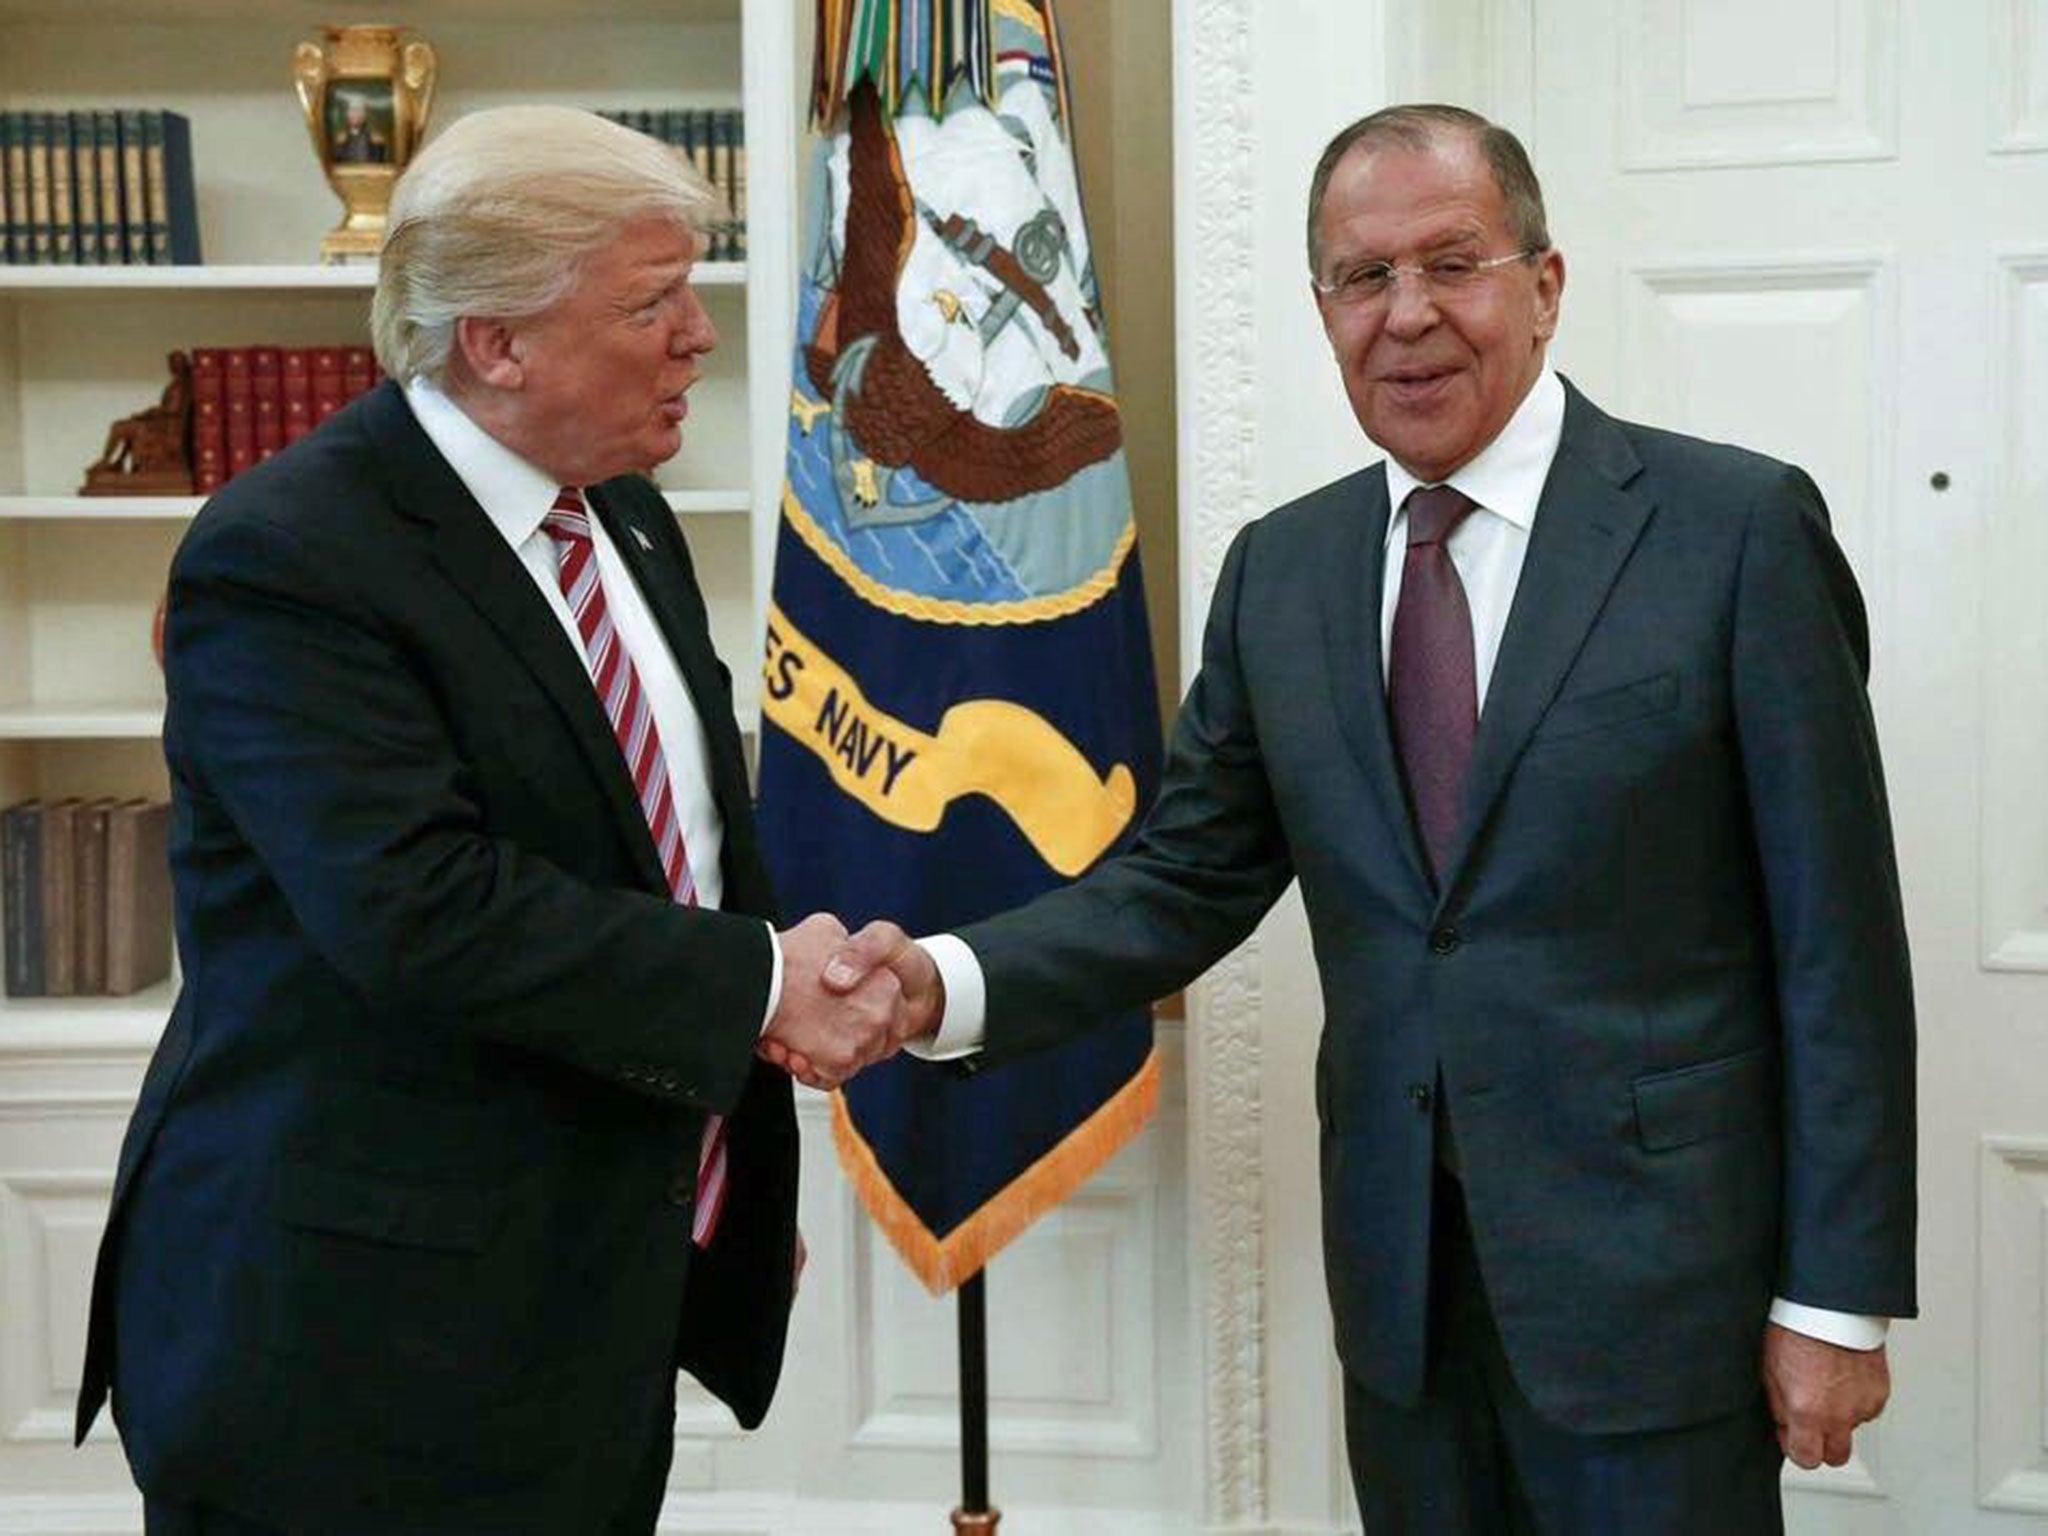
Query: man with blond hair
[{"x": 456, "y": 1146}]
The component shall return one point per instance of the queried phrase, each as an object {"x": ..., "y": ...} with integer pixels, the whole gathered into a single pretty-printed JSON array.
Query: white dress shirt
[
  {"x": 516, "y": 496},
  {"x": 1488, "y": 547},
  {"x": 1506, "y": 480}
]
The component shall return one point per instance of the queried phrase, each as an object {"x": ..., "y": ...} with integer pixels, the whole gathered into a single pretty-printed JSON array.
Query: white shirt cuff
[
  {"x": 1846, "y": 1329},
  {"x": 960, "y": 1031},
  {"x": 774, "y": 978}
]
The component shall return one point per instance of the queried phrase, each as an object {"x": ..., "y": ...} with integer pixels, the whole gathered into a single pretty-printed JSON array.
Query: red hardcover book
[
  {"x": 209, "y": 419},
  {"x": 266, "y": 369},
  {"x": 327, "y": 395},
  {"x": 358, "y": 369},
  {"x": 298, "y": 393},
  {"x": 241, "y": 414},
  {"x": 209, "y": 374},
  {"x": 209, "y": 446},
  {"x": 238, "y": 364}
]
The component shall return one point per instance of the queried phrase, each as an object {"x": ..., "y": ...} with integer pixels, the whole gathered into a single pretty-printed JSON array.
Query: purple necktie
[{"x": 1432, "y": 689}]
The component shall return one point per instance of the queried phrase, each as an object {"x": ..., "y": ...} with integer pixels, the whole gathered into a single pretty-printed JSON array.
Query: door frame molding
[{"x": 1216, "y": 139}]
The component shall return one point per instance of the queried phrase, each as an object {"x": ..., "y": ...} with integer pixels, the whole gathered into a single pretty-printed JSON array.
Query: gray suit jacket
[{"x": 1665, "y": 981}]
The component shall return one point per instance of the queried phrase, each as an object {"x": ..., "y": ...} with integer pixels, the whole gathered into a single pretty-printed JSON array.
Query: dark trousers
[
  {"x": 1472, "y": 1458},
  {"x": 639, "y": 1507}
]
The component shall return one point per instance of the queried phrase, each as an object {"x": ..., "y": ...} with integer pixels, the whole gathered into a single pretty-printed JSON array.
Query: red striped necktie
[{"x": 625, "y": 705}]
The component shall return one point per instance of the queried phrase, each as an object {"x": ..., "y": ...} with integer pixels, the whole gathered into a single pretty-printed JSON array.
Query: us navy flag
[{"x": 958, "y": 706}]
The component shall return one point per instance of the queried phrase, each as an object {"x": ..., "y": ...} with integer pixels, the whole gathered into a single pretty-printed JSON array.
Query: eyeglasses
[{"x": 1443, "y": 277}]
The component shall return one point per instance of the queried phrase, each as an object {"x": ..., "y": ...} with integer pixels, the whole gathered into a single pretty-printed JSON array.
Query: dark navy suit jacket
[
  {"x": 1665, "y": 979},
  {"x": 400, "y": 1238}
]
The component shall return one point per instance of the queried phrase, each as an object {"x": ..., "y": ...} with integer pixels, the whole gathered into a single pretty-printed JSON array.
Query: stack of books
[
  {"x": 248, "y": 402},
  {"x": 715, "y": 140},
  {"x": 97, "y": 188},
  {"x": 85, "y": 897}
]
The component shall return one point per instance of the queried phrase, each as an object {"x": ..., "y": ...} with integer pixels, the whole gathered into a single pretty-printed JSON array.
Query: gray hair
[
  {"x": 498, "y": 214},
  {"x": 1422, "y": 126}
]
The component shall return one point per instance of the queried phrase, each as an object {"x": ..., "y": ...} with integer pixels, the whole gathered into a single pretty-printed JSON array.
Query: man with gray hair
[
  {"x": 456, "y": 1146},
  {"x": 1561, "y": 723}
]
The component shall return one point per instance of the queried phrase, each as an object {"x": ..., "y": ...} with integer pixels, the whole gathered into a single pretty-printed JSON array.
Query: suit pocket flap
[
  {"x": 1578, "y": 713},
  {"x": 1712, "y": 1099},
  {"x": 454, "y": 1218}
]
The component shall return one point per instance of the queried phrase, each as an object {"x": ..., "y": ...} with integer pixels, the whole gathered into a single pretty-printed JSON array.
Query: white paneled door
[{"x": 1820, "y": 228}]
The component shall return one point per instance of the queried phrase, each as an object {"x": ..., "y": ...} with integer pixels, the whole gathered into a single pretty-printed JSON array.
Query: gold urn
[{"x": 366, "y": 92}]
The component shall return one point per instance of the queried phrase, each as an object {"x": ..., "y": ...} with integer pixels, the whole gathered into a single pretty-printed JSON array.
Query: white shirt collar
[
  {"x": 1506, "y": 477},
  {"x": 514, "y": 494}
]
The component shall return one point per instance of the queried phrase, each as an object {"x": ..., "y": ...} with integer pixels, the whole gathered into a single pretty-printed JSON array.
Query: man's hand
[
  {"x": 823, "y": 1037},
  {"x": 884, "y": 946},
  {"x": 1819, "y": 1392},
  {"x": 881, "y": 954}
]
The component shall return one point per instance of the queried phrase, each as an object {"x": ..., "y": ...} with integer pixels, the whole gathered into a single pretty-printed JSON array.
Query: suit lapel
[
  {"x": 1353, "y": 583},
  {"x": 1587, "y": 524},
  {"x": 482, "y": 567}
]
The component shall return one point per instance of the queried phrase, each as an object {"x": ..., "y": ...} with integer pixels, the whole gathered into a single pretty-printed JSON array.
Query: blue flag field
[{"x": 958, "y": 706}]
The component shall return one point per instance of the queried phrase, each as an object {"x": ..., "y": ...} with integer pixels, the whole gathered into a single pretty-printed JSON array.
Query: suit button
[
  {"x": 682, "y": 1190},
  {"x": 1421, "y": 1095},
  {"x": 1445, "y": 940},
  {"x": 666, "y": 1082}
]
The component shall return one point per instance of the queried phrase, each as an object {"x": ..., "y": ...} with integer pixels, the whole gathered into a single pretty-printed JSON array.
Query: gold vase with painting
[{"x": 366, "y": 92}]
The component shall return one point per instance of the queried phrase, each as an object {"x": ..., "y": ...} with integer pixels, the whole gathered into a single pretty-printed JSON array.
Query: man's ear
[
  {"x": 1549, "y": 291},
  {"x": 491, "y": 352}
]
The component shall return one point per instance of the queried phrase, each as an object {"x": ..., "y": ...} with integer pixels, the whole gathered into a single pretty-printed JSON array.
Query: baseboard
[
  {"x": 733, "y": 1515},
  {"x": 705, "y": 1515}
]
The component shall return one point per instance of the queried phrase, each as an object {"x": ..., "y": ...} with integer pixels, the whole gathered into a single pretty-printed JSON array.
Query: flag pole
[{"x": 974, "y": 1513}]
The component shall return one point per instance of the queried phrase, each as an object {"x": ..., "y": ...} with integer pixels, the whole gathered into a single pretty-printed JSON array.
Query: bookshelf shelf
[
  {"x": 715, "y": 502},
  {"x": 81, "y": 722},
  {"x": 425, "y": 14},
  {"x": 718, "y": 502},
  {"x": 97, "y": 508},
  {"x": 30, "y": 282},
  {"x": 83, "y": 1024}
]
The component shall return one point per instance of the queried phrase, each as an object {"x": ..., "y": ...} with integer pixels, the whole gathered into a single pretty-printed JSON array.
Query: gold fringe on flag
[{"x": 944, "y": 1263}]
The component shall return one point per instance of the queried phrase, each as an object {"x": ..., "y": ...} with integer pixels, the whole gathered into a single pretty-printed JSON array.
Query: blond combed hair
[{"x": 497, "y": 215}]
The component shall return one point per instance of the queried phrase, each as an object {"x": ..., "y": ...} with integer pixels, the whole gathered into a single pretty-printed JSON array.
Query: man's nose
[
  {"x": 1411, "y": 308},
  {"x": 694, "y": 330}
]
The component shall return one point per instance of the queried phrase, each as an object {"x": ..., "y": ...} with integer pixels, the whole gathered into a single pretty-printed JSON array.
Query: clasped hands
[{"x": 848, "y": 1001}]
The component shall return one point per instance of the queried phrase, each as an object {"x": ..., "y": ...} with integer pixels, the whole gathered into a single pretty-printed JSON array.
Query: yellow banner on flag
[{"x": 983, "y": 747}]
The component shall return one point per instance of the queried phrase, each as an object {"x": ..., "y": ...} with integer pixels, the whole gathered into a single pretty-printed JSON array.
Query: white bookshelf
[
  {"x": 247, "y": 277},
  {"x": 81, "y": 700},
  {"x": 714, "y": 502}
]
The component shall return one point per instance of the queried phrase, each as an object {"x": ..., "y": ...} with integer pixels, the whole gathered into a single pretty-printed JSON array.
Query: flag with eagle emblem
[{"x": 958, "y": 706}]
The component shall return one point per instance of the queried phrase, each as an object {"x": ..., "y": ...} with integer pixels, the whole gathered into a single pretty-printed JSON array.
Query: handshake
[{"x": 848, "y": 1001}]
